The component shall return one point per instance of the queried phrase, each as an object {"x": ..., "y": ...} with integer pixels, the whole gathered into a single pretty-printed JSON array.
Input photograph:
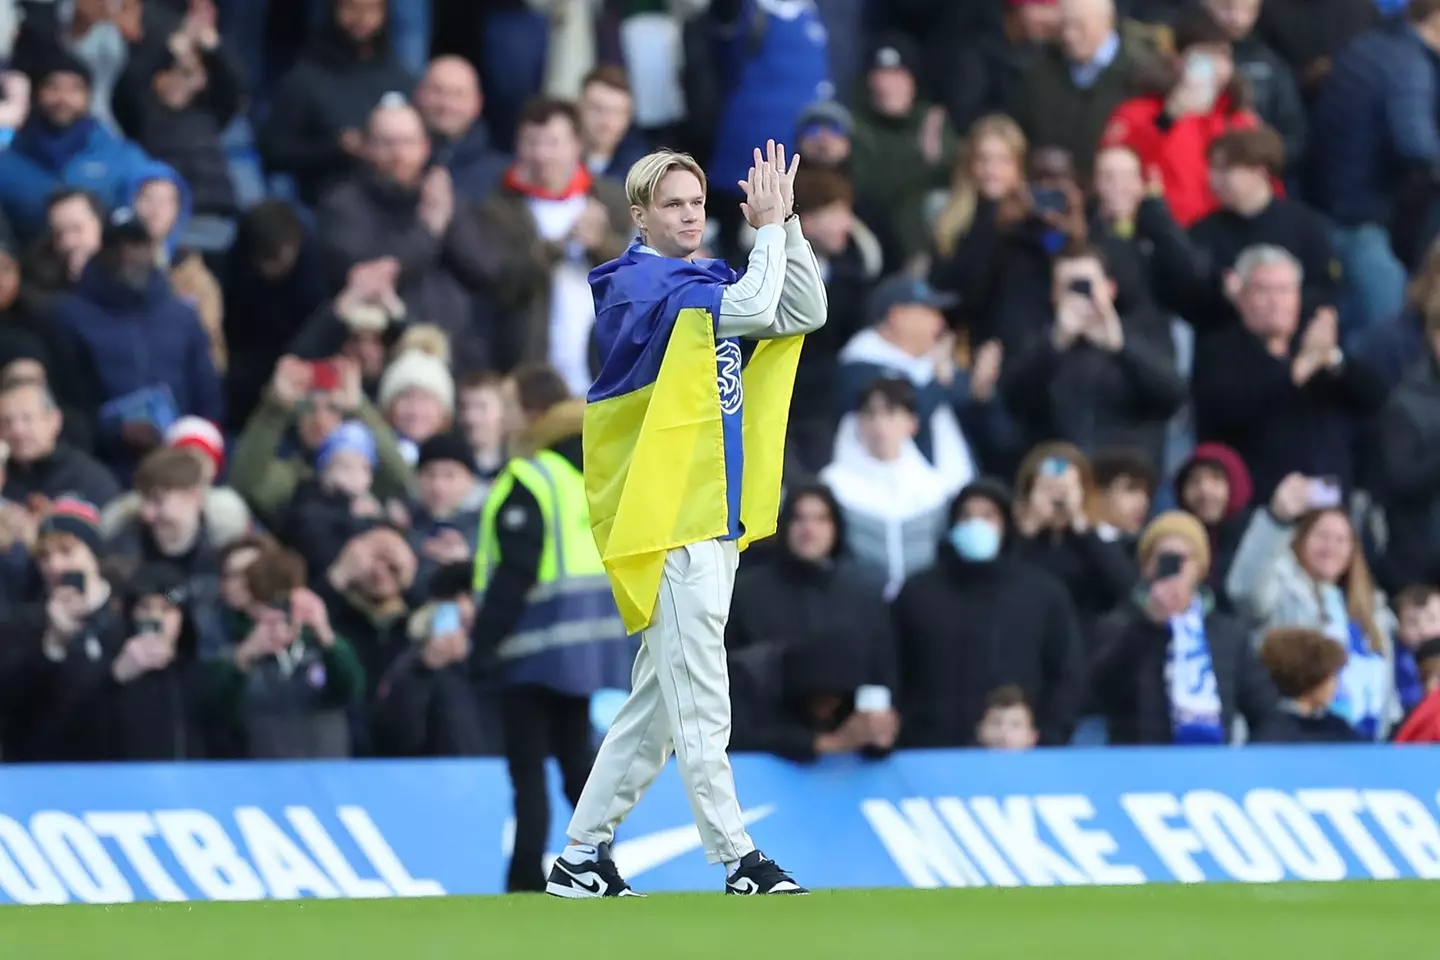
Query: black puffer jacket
[
  {"x": 800, "y": 629},
  {"x": 962, "y": 629}
]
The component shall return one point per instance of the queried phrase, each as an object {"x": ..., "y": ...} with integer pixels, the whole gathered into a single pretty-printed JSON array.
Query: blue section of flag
[{"x": 637, "y": 298}]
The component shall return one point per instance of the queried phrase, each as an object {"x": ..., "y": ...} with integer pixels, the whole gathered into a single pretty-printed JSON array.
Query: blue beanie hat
[{"x": 352, "y": 436}]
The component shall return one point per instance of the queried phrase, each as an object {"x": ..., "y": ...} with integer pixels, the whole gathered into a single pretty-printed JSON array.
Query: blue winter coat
[
  {"x": 140, "y": 339},
  {"x": 103, "y": 164},
  {"x": 776, "y": 62}
]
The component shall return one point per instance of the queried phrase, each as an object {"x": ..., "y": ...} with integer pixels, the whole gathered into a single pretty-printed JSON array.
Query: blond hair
[
  {"x": 959, "y": 214},
  {"x": 644, "y": 177}
]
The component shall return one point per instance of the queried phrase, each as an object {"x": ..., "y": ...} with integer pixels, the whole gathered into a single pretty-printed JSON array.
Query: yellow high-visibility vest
[{"x": 571, "y": 602}]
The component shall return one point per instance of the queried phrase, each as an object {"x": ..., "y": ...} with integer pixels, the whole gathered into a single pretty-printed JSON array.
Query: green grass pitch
[{"x": 1351, "y": 921}]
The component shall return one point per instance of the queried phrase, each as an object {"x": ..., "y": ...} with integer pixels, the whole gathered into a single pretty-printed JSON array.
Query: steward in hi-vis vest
[{"x": 546, "y": 625}]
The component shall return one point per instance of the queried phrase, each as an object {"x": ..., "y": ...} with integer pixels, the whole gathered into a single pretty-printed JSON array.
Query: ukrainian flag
[{"x": 654, "y": 445}]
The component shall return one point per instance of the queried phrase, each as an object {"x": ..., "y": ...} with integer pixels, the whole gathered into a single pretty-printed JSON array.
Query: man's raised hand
[
  {"x": 775, "y": 156},
  {"x": 764, "y": 202}
]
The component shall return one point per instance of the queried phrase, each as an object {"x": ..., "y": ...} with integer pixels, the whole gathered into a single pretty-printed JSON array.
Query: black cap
[
  {"x": 902, "y": 290},
  {"x": 56, "y": 59},
  {"x": 446, "y": 446},
  {"x": 894, "y": 50},
  {"x": 124, "y": 227},
  {"x": 985, "y": 488}
]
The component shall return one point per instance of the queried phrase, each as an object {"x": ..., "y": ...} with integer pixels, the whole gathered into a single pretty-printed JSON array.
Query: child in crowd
[
  {"x": 1127, "y": 480},
  {"x": 292, "y": 677},
  {"x": 327, "y": 509},
  {"x": 1417, "y": 609},
  {"x": 482, "y": 420},
  {"x": 1423, "y": 724},
  {"x": 1305, "y": 665},
  {"x": 892, "y": 499},
  {"x": 1008, "y": 722},
  {"x": 444, "y": 526}
]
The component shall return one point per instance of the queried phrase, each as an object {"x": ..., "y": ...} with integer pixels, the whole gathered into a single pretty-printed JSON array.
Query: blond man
[{"x": 684, "y": 437}]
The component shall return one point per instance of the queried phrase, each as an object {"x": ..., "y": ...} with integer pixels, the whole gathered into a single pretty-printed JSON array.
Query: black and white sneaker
[
  {"x": 758, "y": 875},
  {"x": 597, "y": 877}
]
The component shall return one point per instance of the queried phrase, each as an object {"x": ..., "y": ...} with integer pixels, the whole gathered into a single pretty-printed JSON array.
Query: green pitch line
[{"x": 1352, "y": 921}]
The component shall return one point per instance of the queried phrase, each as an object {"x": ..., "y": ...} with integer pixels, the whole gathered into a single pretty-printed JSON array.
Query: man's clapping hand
[
  {"x": 17, "y": 525},
  {"x": 437, "y": 201},
  {"x": 1317, "y": 346},
  {"x": 985, "y": 370},
  {"x": 765, "y": 202},
  {"x": 592, "y": 227},
  {"x": 14, "y": 99}
]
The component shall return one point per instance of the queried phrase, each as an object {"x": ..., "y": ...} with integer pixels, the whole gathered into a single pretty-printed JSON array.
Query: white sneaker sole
[{"x": 570, "y": 893}]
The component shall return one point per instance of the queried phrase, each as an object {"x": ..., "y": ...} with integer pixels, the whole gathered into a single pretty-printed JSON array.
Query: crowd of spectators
[{"x": 1124, "y": 427}]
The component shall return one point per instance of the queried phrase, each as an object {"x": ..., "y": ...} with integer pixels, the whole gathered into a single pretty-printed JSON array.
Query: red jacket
[
  {"x": 1178, "y": 152},
  {"x": 1423, "y": 725}
]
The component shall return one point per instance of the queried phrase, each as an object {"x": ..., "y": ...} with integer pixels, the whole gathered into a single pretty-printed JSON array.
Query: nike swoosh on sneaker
[{"x": 593, "y": 885}]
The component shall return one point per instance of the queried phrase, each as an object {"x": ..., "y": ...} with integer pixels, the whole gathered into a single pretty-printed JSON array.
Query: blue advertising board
[{"x": 106, "y": 834}]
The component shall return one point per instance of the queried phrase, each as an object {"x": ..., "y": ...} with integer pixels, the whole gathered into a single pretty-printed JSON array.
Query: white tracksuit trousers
[{"x": 679, "y": 700}]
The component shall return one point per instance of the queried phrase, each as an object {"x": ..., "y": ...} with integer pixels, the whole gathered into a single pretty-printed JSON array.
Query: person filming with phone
[
  {"x": 156, "y": 705},
  {"x": 1300, "y": 564},
  {"x": 1171, "y": 128},
  {"x": 1057, "y": 509},
  {"x": 1168, "y": 667},
  {"x": 1096, "y": 378},
  {"x": 425, "y": 704},
  {"x": 306, "y": 401},
  {"x": 291, "y": 677},
  {"x": 54, "y": 654}
]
